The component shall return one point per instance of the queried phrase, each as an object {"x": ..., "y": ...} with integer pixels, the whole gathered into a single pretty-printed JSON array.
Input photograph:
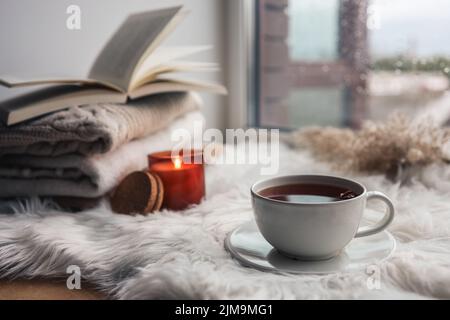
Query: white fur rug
[{"x": 181, "y": 254}]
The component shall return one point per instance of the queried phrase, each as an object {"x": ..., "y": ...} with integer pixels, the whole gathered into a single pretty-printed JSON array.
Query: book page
[
  {"x": 172, "y": 84},
  {"x": 168, "y": 29},
  {"x": 162, "y": 56},
  {"x": 130, "y": 43},
  {"x": 174, "y": 67}
]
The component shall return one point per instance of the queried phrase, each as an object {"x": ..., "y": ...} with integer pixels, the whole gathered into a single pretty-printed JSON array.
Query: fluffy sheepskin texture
[
  {"x": 93, "y": 176},
  {"x": 181, "y": 255}
]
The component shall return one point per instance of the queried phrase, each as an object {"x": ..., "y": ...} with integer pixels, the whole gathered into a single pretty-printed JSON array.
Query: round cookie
[{"x": 137, "y": 193}]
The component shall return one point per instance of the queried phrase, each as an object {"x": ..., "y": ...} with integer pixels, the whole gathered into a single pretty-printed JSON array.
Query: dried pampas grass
[{"x": 377, "y": 147}]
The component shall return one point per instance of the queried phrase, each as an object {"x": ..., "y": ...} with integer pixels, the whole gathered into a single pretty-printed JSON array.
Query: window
[{"x": 339, "y": 62}]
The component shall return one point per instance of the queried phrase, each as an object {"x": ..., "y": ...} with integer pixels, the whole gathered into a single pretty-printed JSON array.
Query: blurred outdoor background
[{"x": 339, "y": 62}]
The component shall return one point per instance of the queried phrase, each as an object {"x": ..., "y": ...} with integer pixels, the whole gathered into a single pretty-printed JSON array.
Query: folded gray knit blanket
[{"x": 96, "y": 128}]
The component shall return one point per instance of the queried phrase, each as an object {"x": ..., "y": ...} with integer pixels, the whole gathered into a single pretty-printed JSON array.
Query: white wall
[{"x": 34, "y": 37}]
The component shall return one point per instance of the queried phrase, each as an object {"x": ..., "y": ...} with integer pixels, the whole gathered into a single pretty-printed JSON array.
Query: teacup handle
[{"x": 383, "y": 223}]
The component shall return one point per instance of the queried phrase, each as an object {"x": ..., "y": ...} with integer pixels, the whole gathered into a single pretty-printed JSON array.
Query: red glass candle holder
[{"x": 182, "y": 175}]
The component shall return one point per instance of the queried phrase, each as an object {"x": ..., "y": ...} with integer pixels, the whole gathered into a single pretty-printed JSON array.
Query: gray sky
[{"x": 420, "y": 26}]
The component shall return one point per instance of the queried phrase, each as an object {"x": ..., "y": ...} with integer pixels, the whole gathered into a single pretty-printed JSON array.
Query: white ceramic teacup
[{"x": 315, "y": 230}]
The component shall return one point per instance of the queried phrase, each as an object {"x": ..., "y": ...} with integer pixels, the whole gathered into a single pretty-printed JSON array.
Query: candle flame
[{"x": 177, "y": 163}]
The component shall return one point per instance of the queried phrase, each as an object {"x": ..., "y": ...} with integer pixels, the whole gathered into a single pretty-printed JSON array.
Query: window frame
[
  {"x": 244, "y": 81},
  {"x": 242, "y": 63}
]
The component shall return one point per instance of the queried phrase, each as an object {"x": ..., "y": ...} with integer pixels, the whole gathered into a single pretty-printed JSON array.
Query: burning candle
[{"x": 182, "y": 177}]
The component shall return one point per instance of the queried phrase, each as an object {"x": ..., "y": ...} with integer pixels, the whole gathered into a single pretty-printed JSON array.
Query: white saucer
[{"x": 248, "y": 246}]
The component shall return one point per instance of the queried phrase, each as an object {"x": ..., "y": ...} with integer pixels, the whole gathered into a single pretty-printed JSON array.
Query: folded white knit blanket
[
  {"x": 95, "y": 128},
  {"x": 84, "y": 176}
]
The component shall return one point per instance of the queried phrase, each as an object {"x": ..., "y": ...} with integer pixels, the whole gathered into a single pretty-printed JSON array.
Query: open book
[{"x": 130, "y": 66}]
